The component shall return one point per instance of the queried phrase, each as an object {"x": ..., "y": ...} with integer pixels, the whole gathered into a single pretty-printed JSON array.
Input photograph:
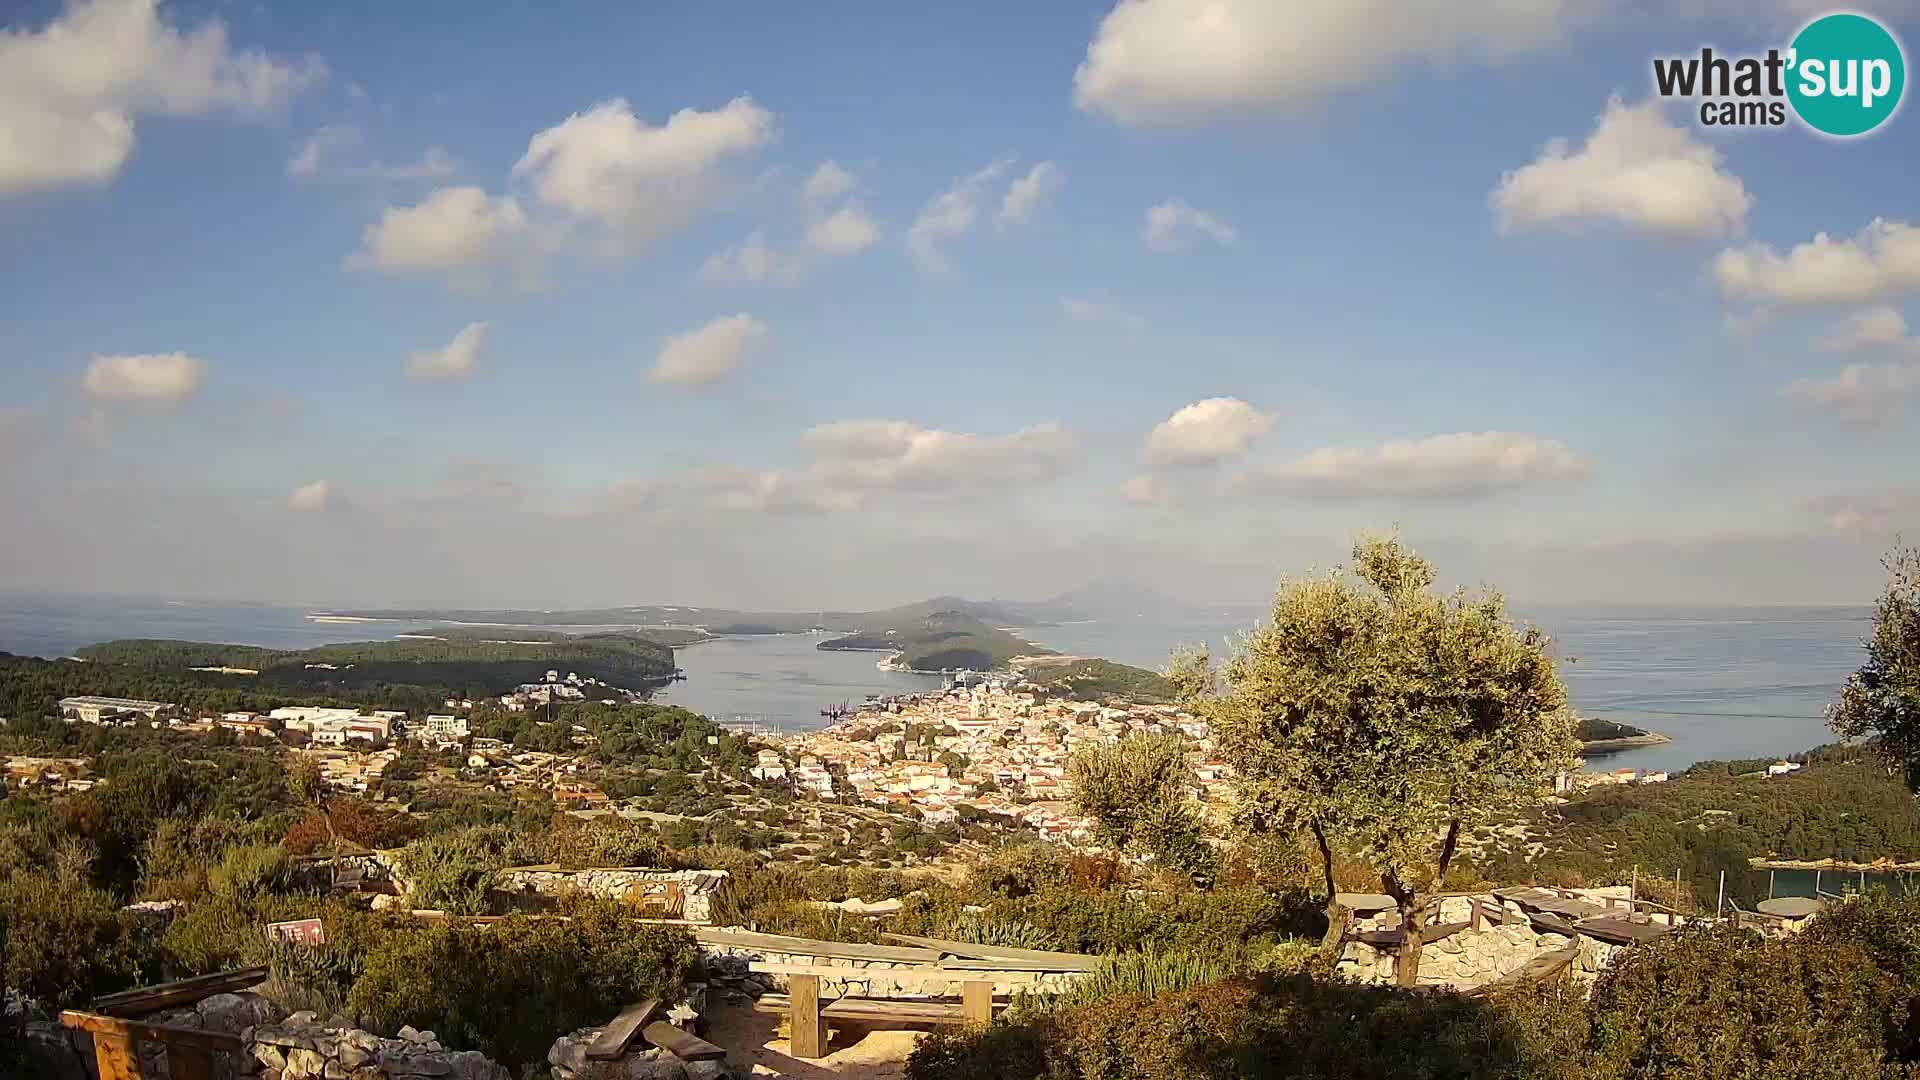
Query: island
[
  {"x": 938, "y": 641},
  {"x": 1599, "y": 737}
]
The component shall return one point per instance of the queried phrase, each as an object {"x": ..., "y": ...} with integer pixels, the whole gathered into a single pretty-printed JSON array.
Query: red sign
[{"x": 299, "y": 931}]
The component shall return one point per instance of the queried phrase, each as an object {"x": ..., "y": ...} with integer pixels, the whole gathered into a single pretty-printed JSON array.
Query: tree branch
[
  {"x": 1326, "y": 861},
  {"x": 1446, "y": 852}
]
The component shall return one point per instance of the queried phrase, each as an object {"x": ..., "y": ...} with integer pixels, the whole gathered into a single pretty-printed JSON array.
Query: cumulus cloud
[
  {"x": 1461, "y": 464},
  {"x": 609, "y": 168},
  {"x": 1880, "y": 327},
  {"x": 1173, "y": 225},
  {"x": 1164, "y": 61},
  {"x": 1028, "y": 193},
  {"x": 709, "y": 353},
  {"x": 828, "y": 182},
  {"x": 873, "y": 455},
  {"x": 71, "y": 90},
  {"x": 153, "y": 379},
  {"x": 749, "y": 262},
  {"x": 1636, "y": 168},
  {"x": 949, "y": 214},
  {"x": 454, "y": 360},
  {"x": 459, "y": 231},
  {"x": 1879, "y": 262},
  {"x": 310, "y": 498},
  {"x": 846, "y": 231},
  {"x": 1099, "y": 312},
  {"x": 1206, "y": 432},
  {"x": 1872, "y": 513},
  {"x": 1865, "y": 395}
]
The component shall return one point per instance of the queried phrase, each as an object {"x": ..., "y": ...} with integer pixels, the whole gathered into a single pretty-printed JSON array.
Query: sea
[{"x": 1735, "y": 682}]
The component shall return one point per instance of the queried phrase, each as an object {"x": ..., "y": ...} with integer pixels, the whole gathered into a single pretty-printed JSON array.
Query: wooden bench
[{"x": 807, "y": 1018}]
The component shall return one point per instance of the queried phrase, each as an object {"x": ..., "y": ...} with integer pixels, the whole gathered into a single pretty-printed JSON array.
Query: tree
[
  {"x": 1136, "y": 790},
  {"x": 1190, "y": 671},
  {"x": 1387, "y": 719},
  {"x": 1882, "y": 699}
]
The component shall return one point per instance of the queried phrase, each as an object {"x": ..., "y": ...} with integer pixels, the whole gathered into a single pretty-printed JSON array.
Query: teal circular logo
[{"x": 1846, "y": 74}]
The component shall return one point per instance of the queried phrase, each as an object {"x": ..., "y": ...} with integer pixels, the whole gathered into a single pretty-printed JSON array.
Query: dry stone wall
[
  {"x": 699, "y": 888},
  {"x": 727, "y": 966},
  {"x": 1471, "y": 958}
]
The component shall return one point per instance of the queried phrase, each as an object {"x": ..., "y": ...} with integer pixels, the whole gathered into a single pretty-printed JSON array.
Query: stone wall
[
  {"x": 300, "y": 1048},
  {"x": 1471, "y": 958},
  {"x": 727, "y": 966},
  {"x": 698, "y": 888}
]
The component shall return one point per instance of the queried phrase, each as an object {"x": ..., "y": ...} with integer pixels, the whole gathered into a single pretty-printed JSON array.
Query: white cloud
[
  {"x": 1881, "y": 261},
  {"x": 1205, "y": 432},
  {"x": 1100, "y": 312},
  {"x": 1461, "y": 464},
  {"x": 1636, "y": 168},
  {"x": 1876, "y": 513},
  {"x": 1138, "y": 489},
  {"x": 454, "y": 230},
  {"x": 454, "y": 360},
  {"x": 70, "y": 90},
  {"x": 869, "y": 455},
  {"x": 828, "y": 182},
  {"x": 323, "y": 141},
  {"x": 1028, "y": 193},
  {"x": 1173, "y": 224},
  {"x": 846, "y": 231},
  {"x": 1880, "y": 327},
  {"x": 155, "y": 379},
  {"x": 310, "y": 498},
  {"x": 764, "y": 491},
  {"x": 949, "y": 214},
  {"x": 708, "y": 353},
  {"x": 1866, "y": 395},
  {"x": 747, "y": 262},
  {"x": 434, "y": 164},
  {"x": 608, "y": 167},
  {"x": 1159, "y": 61}
]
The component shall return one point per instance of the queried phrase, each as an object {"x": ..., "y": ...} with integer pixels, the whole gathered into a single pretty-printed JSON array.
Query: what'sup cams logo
[{"x": 1843, "y": 75}]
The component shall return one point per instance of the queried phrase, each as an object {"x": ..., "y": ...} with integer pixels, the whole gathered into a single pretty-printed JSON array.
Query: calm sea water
[{"x": 1722, "y": 683}]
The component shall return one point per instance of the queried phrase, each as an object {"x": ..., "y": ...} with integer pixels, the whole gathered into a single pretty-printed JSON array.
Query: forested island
[
  {"x": 1606, "y": 736},
  {"x": 937, "y": 641}
]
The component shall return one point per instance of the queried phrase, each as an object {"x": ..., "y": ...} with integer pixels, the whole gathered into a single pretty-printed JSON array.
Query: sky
[{"x": 848, "y": 304}]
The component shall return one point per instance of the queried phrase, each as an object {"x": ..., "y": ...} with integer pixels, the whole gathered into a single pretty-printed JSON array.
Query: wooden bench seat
[
  {"x": 905, "y": 1012},
  {"x": 807, "y": 1015}
]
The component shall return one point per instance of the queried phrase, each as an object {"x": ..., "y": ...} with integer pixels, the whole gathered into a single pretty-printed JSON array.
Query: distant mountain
[
  {"x": 1107, "y": 598},
  {"x": 711, "y": 620}
]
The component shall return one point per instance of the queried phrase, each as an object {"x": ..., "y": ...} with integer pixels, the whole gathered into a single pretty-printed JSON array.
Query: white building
[{"x": 446, "y": 727}]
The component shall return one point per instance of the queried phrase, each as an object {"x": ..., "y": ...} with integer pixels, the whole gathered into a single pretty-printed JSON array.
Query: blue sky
[{"x": 240, "y": 243}]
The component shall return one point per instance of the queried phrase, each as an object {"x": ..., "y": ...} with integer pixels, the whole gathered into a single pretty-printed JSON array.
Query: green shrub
[
  {"x": 510, "y": 988},
  {"x": 454, "y": 871},
  {"x": 251, "y": 870},
  {"x": 67, "y": 942},
  {"x": 1149, "y": 973}
]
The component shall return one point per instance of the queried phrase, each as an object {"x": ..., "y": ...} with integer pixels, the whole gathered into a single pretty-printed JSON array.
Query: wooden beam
[
  {"x": 613, "y": 1041},
  {"x": 911, "y": 975},
  {"x": 682, "y": 1044},
  {"x": 809, "y": 947},
  {"x": 808, "y": 1037},
  {"x": 893, "y": 1011},
  {"x": 160, "y": 1033},
  {"x": 1052, "y": 961},
  {"x": 153, "y": 999},
  {"x": 977, "y": 999}
]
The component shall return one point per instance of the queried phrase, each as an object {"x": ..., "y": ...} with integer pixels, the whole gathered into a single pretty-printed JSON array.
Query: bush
[
  {"x": 252, "y": 870},
  {"x": 67, "y": 942},
  {"x": 453, "y": 871},
  {"x": 511, "y": 988}
]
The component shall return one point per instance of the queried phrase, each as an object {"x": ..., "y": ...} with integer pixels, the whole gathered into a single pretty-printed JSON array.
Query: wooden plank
[
  {"x": 896, "y": 1012},
  {"x": 905, "y": 976},
  {"x": 1552, "y": 924},
  {"x": 160, "y": 1033},
  {"x": 189, "y": 1062},
  {"x": 114, "y": 1055},
  {"x": 778, "y": 1004},
  {"x": 841, "y": 950},
  {"x": 1618, "y": 931},
  {"x": 808, "y": 1037},
  {"x": 1539, "y": 969},
  {"x": 152, "y": 999},
  {"x": 1056, "y": 961},
  {"x": 976, "y": 999},
  {"x": 613, "y": 1041},
  {"x": 682, "y": 1044}
]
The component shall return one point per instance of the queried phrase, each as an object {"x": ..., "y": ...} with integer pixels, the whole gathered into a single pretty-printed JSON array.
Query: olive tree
[
  {"x": 1386, "y": 719},
  {"x": 1137, "y": 791},
  {"x": 1882, "y": 699}
]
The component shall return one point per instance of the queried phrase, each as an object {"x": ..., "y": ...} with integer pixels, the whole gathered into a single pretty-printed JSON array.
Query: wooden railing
[{"x": 190, "y": 1052}]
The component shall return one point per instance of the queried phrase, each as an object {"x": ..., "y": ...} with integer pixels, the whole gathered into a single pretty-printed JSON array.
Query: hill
[
  {"x": 1097, "y": 680},
  {"x": 938, "y": 641},
  {"x": 461, "y": 664},
  {"x": 654, "y": 619}
]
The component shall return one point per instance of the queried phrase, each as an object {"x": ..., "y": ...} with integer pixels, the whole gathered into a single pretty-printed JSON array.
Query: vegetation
[
  {"x": 1098, "y": 680},
  {"x": 1591, "y": 730},
  {"x": 714, "y": 620},
  {"x": 1881, "y": 701},
  {"x": 1836, "y": 1002},
  {"x": 1385, "y": 720},
  {"x": 937, "y": 641},
  {"x": 1137, "y": 791}
]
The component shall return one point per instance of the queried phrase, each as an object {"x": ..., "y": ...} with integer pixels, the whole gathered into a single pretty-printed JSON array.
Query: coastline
[{"x": 1602, "y": 747}]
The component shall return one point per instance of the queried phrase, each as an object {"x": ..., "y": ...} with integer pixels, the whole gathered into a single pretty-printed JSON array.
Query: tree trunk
[
  {"x": 1337, "y": 916},
  {"x": 1412, "y": 923}
]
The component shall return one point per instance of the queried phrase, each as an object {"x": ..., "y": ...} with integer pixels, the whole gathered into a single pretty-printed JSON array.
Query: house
[
  {"x": 1782, "y": 768},
  {"x": 1654, "y": 778},
  {"x": 444, "y": 728},
  {"x": 95, "y": 710}
]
